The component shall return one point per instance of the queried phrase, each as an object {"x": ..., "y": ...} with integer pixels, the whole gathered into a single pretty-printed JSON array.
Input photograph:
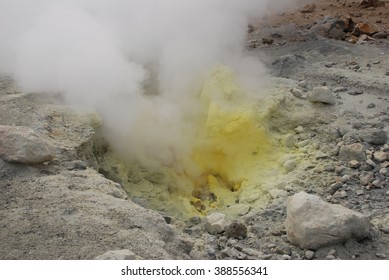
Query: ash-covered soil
[{"x": 66, "y": 209}]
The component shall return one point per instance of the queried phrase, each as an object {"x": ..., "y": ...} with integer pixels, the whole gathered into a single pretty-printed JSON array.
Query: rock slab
[
  {"x": 23, "y": 145},
  {"x": 312, "y": 223}
]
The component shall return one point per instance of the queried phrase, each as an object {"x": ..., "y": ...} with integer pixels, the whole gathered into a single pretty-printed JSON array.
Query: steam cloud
[{"x": 139, "y": 63}]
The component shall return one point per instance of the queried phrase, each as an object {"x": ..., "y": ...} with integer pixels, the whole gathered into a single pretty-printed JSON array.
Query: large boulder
[
  {"x": 312, "y": 223},
  {"x": 21, "y": 144}
]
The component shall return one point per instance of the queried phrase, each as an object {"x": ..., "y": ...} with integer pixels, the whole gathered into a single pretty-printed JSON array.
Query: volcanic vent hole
[{"x": 230, "y": 155}]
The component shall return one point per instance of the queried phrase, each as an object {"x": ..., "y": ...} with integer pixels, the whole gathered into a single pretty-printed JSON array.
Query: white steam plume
[{"x": 139, "y": 63}]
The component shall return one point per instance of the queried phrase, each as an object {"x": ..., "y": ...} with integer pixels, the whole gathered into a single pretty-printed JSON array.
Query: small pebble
[
  {"x": 309, "y": 255},
  {"x": 370, "y": 106},
  {"x": 345, "y": 178},
  {"x": 286, "y": 257},
  {"x": 354, "y": 164},
  {"x": 360, "y": 192},
  {"x": 343, "y": 194}
]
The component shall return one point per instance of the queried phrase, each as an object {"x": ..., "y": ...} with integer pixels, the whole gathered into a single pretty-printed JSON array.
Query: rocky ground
[{"x": 332, "y": 85}]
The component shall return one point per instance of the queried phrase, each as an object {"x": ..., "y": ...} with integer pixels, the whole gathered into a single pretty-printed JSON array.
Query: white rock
[
  {"x": 21, "y": 144},
  {"x": 322, "y": 94},
  {"x": 312, "y": 223},
  {"x": 215, "y": 222},
  {"x": 118, "y": 255}
]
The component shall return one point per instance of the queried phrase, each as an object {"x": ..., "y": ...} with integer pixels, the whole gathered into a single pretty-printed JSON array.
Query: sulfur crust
[{"x": 231, "y": 143}]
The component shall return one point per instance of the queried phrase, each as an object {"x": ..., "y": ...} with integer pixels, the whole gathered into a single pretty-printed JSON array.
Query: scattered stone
[
  {"x": 354, "y": 151},
  {"x": 302, "y": 84},
  {"x": 365, "y": 179},
  {"x": 330, "y": 257},
  {"x": 299, "y": 93},
  {"x": 343, "y": 194},
  {"x": 381, "y": 156},
  {"x": 309, "y": 255},
  {"x": 370, "y": 106},
  {"x": 215, "y": 223},
  {"x": 320, "y": 155},
  {"x": 371, "y": 3},
  {"x": 312, "y": 223},
  {"x": 360, "y": 192},
  {"x": 340, "y": 89},
  {"x": 236, "y": 230},
  {"x": 345, "y": 178},
  {"x": 299, "y": 129},
  {"x": 354, "y": 164},
  {"x": 364, "y": 28},
  {"x": 335, "y": 187},
  {"x": 250, "y": 28},
  {"x": 289, "y": 165},
  {"x": 383, "y": 171},
  {"x": 276, "y": 193},
  {"x": 373, "y": 136},
  {"x": 371, "y": 163},
  {"x": 21, "y": 144},
  {"x": 323, "y": 95},
  {"x": 308, "y": 8},
  {"x": 286, "y": 257},
  {"x": 267, "y": 41},
  {"x": 329, "y": 27},
  {"x": 118, "y": 255},
  {"x": 355, "y": 92}
]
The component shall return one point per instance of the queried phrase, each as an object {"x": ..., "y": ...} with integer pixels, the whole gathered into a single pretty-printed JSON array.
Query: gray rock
[
  {"x": 21, "y": 144},
  {"x": 354, "y": 151},
  {"x": 215, "y": 223},
  {"x": 365, "y": 179},
  {"x": 373, "y": 136},
  {"x": 351, "y": 138},
  {"x": 236, "y": 230},
  {"x": 309, "y": 255},
  {"x": 323, "y": 95},
  {"x": 299, "y": 93},
  {"x": 118, "y": 255},
  {"x": 329, "y": 27},
  {"x": 381, "y": 156},
  {"x": 312, "y": 223}
]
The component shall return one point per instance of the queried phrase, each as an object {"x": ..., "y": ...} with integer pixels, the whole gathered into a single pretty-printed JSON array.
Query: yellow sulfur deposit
[{"x": 232, "y": 145}]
